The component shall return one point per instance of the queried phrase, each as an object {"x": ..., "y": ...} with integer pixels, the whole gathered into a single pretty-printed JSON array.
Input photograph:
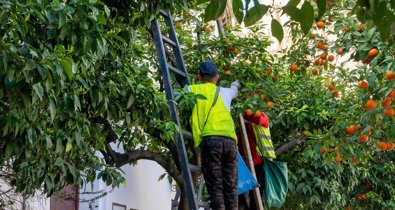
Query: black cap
[{"x": 208, "y": 68}]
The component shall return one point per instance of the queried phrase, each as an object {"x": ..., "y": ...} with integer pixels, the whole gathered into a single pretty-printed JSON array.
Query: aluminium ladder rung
[
  {"x": 195, "y": 168},
  {"x": 169, "y": 41},
  {"x": 164, "y": 13},
  {"x": 187, "y": 134},
  {"x": 178, "y": 71}
]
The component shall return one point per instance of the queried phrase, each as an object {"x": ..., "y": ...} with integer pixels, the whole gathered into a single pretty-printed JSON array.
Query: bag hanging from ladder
[{"x": 276, "y": 182}]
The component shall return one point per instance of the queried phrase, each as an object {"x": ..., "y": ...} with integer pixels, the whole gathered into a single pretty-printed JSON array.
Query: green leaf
[
  {"x": 293, "y": 12},
  {"x": 214, "y": 10},
  {"x": 38, "y": 88},
  {"x": 67, "y": 66},
  {"x": 308, "y": 17},
  {"x": 201, "y": 1},
  {"x": 255, "y": 14},
  {"x": 69, "y": 146},
  {"x": 292, "y": 3},
  {"x": 238, "y": 10},
  {"x": 321, "y": 7},
  {"x": 277, "y": 30},
  {"x": 52, "y": 109},
  {"x": 79, "y": 140},
  {"x": 49, "y": 143}
]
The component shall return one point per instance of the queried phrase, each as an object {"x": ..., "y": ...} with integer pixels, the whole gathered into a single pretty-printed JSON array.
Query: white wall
[{"x": 143, "y": 191}]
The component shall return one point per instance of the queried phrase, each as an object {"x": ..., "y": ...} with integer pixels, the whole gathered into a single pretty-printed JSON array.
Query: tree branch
[
  {"x": 135, "y": 155},
  {"x": 295, "y": 140}
]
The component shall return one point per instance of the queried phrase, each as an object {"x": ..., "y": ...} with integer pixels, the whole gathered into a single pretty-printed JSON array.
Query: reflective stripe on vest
[
  {"x": 219, "y": 123},
  {"x": 264, "y": 141}
]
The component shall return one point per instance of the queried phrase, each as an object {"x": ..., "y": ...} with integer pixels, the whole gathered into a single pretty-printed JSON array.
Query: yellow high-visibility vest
[
  {"x": 219, "y": 122},
  {"x": 264, "y": 144}
]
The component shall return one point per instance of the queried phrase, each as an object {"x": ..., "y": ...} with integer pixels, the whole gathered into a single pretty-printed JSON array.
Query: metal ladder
[{"x": 182, "y": 79}]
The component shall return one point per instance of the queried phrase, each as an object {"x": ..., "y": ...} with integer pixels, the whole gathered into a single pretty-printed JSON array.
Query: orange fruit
[
  {"x": 248, "y": 112},
  {"x": 319, "y": 62},
  {"x": 315, "y": 72},
  {"x": 361, "y": 26},
  {"x": 258, "y": 70},
  {"x": 350, "y": 130},
  {"x": 269, "y": 71},
  {"x": 338, "y": 159},
  {"x": 373, "y": 52},
  {"x": 257, "y": 113},
  {"x": 321, "y": 46},
  {"x": 256, "y": 95},
  {"x": 386, "y": 102},
  {"x": 390, "y": 75},
  {"x": 227, "y": 40},
  {"x": 371, "y": 104},
  {"x": 383, "y": 145},
  {"x": 270, "y": 104},
  {"x": 390, "y": 146},
  {"x": 276, "y": 78},
  {"x": 320, "y": 25},
  {"x": 363, "y": 138},
  {"x": 262, "y": 96},
  {"x": 236, "y": 51},
  {"x": 361, "y": 197},
  {"x": 293, "y": 67},
  {"x": 392, "y": 94},
  {"x": 323, "y": 56},
  {"x": 389, "y": 112},
  {"x": 340, "y": 51},
  {"x": 346, "y": 28},
  {"x": 178, "y": 24},
  {"x": 336, "y": 150},
  {"x": 229, "y": 48},
  {"x": 354, "y": 160},
  {"x": 335, "y": 94},
  {"x": 227, "y": 71},
  {"x": 331, "y": 58},
  {"x": 331, "y": 87},
  {"x": 363, "y": 84}
]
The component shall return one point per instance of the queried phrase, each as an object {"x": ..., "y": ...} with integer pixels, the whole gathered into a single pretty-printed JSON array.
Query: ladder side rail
[
  {"x": 177, "y": 49},
  {"x": 250, "y": 164},
  {"x": 182, "y": 154}
]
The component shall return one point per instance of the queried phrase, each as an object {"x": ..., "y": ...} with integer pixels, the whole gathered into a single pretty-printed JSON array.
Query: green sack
[{"x": 276, "y": 182}]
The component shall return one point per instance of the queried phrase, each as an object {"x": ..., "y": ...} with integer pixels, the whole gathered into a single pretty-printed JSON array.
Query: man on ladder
[{"x": 214, "y": 131}]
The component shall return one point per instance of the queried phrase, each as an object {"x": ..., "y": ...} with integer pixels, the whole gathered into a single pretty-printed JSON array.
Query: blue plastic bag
[{"x": 245, "y": 179}]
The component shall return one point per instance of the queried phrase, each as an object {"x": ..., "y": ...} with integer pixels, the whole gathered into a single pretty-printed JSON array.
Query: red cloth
[{"x": 263, "y": 120}]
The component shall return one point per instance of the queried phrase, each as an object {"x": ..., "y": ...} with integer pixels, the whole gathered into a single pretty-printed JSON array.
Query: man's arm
[{"x": 234, "y": 87}]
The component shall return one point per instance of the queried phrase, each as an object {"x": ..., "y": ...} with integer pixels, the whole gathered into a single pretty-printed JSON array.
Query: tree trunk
[{"x": 183, "y": 205}]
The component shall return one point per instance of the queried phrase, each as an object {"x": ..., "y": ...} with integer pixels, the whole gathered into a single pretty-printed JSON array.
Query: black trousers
[{"x": 219, "y": 167}]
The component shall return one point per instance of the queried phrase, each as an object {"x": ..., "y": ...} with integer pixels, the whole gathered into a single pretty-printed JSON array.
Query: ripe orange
[
  {"x": 340, "y": 51},
  {"x": 321, "y": 45},
  {"x": 392, "y": 94},
  {"x": 258, "y": 70},
  {"x": 331, "y": 58},
  {"x": 390, "y": 75},
  {"x": 346, "y": 28},
  {"x": 331, "y": 87},
  {"x": 363, "y": 138},
  {"x": 248, "y": 112},
  {"x": 229, "y": 48},
  {"x": 227, "y": 71},
  {"x": 338, "y": 159},
  {"x": 371, "y": 104},
  {"x": 386, "y": 102},
  {"x": 178, "y": 24},
  {"x": 373, "y": 52},
  {"x": 262, "y": 96},
  {"x": 354, "y": 160},
  {"x": 269, "y": 71},
  {"x": 319, "y": 62},
  {"x": 270, "y": 104},
  {"x": 363, "y": 84},
  {"x": 293, "y": 67},
  {"x": 320, "y": 25},
  {"x": 336, "y": 150},
  {"x": 383, "y": 145},
  {"x": 390, "y": 146},
  {"x": 350, "y": 130},
  {"x": 323, "y": 56},
  {"x": 276, "y": 78},
  {"x": 236, "y": 51},
  {"x": 257, "y": 113},
  {"x": 361, "y": 197},
  {"x": 361, "y": 26},
  {"x": 389, "y": 112},
  {"x": 335, "y": 94},
  {"x": 315, "y": 72}
]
